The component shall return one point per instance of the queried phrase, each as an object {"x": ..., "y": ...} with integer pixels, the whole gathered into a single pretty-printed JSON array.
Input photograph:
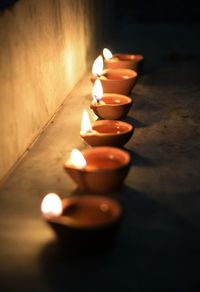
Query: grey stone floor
[{"x": 158, "y": 247}]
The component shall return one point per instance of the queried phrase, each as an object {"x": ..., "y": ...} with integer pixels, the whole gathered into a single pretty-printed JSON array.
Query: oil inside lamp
[
  {"x": 97, "y": 68},
  {"x": 105, "y": 132},
  {"x": 83, "y": 223},
  {"x": 77, "y": 159},
  {"x": 51, "y": 205},
  {"x": 114, "y": 80},
  {"x": 109, "y": 106},
  {"x": 105, "y": 170},
  {"x": 116, "y": 57},
  {"x": 121, "y": 60}
]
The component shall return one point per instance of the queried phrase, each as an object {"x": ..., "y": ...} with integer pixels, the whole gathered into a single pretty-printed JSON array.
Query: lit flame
[
  {"x": 77, "y": 159},
  {"x": 51, "y": 205},
  {"x": 85, "y": 124},
  {"x": 97, "y": 67},
  {"x": 97, "y": 91},
  {"x": 107, "y": 54}
]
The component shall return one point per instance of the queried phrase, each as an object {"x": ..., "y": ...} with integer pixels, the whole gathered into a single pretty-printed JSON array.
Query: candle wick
[{"x": 97, "y": 99}]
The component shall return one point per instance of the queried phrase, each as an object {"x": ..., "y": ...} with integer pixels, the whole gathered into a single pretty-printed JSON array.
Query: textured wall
[{"x": 45, "y": 47}]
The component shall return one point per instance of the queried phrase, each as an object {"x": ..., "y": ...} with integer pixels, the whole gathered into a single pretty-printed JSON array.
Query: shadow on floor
[
  {"x": 140, "y": 160},
  {"x": 135, "y": 122},
  {"x": 153, "y": 247}
]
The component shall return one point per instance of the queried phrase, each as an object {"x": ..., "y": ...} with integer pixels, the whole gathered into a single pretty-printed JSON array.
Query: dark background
[
  {"x": 155, "y": 10},
  {"x": 146, "y": 10}
]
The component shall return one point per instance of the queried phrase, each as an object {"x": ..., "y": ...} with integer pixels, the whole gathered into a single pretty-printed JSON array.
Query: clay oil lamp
[
  {"x": 109, "y": 106},
  {"x": 105, "y": 132},
  {"x": 129, "y": 61},
  {"x": 82, "y": 222},
  {"x": 119, "y": 80},
  {"x": 98, "y": 169}
]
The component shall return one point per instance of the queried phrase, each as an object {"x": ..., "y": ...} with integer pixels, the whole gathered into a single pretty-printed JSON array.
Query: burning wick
[
  {"x": 51, "y": 205},
  {"x": 97, "y": 67},
  {"x": 107, "y": 54},
  {"x": 95, "y": 98},
  {"x": 86, "y": 127},
  {"x": 97, "y": 91}
]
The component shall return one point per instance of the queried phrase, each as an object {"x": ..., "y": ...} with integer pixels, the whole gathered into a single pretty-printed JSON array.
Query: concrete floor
[{"x": 158, "y": 247}]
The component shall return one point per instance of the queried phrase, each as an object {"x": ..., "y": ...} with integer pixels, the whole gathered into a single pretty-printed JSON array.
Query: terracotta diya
[
  {"x": 105, "y": 132},
  {"x": 109, "y": 106},
  {"x": 82, "y": 222},
  {"x": 98, "y": 169},
  {"x": 114, "y": 80},
  {"x": 129, "y": 61}
]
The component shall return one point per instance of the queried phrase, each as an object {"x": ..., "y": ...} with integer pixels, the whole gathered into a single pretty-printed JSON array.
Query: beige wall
[{"x": 45, "y": 46}]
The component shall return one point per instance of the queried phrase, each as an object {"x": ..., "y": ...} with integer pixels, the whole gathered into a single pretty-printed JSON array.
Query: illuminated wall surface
[{"x": 45, "y": 48}]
